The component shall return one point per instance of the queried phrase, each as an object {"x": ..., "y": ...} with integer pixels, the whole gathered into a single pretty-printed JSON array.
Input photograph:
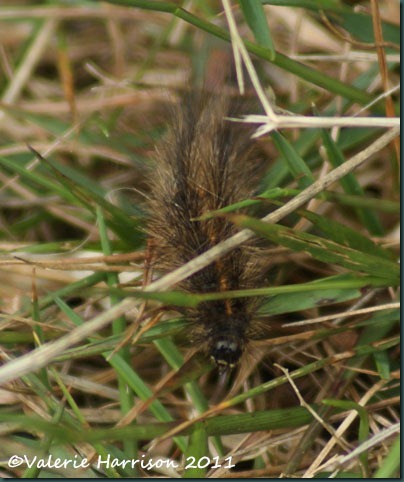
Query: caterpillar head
[{"x": 226, "y": 352}]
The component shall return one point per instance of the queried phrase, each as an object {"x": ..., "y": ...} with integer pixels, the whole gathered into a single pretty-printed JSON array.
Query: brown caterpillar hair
[{"x": 206, "y": 163}]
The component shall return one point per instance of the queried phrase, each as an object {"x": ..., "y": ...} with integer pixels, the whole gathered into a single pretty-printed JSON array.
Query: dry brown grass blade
[{"x": 377, "y": 27}]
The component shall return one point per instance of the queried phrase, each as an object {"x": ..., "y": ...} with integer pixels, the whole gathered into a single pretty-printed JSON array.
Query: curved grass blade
[
  {"x": 344, "y": 235},
  {"x": 324, "y": 250}
]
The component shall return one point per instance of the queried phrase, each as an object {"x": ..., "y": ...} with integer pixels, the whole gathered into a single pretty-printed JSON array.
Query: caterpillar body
[{"x": 205, "y": 163}]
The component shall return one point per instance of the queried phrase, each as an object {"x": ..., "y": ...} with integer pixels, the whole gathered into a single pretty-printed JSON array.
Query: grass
[{"x": 96, "y": 367}]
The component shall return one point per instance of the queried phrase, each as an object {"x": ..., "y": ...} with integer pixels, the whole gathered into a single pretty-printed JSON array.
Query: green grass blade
[
  {"x": 323, "y": 249},
  {"x": 197, "y": 454},
  {"x": 351, "y": 186},
  {"x": 255, "y": 16},
  {"x": 285, "y": 303},
  {"x": 390, "y": 465},
  {"x": 296, "y": 164},
  {"x": 342, "y": 234}
]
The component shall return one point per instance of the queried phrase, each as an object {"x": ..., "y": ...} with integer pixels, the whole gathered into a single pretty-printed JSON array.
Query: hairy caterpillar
[{"x": 206, "y": 162}]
